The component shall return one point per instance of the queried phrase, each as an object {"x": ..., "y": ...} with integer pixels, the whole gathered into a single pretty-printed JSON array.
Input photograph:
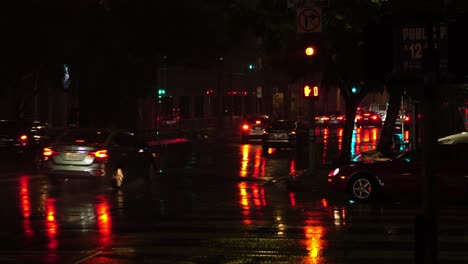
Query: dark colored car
[
  {"x": 403, "y": 174},
  {"x": 281, "y": 134},
  {"x": 252, "y": 127},
  {"x": 113, "y": 155},
  {"x": 20, "y": 137},
  {"x": 368, "y": 118}
]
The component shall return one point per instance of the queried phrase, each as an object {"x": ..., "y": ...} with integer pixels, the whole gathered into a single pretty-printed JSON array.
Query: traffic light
[
  {"x": 161, "y": 93},
  {"x": 311, "y": 92},
  {"x": 354, "y": 90}
]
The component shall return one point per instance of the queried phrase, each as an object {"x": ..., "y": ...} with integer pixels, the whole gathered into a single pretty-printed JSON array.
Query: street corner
[{"x": 307, "y": 180}]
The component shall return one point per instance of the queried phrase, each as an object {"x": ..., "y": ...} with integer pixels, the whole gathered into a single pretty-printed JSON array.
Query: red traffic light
[{"x": 311, "y": 92}]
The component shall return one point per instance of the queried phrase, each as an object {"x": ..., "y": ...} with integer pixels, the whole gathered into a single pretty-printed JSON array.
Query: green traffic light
[{"x": 354, "y": 89}]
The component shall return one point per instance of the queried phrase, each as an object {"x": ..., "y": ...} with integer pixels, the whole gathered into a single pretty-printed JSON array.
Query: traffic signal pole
[{"x": 312, "y": 144}]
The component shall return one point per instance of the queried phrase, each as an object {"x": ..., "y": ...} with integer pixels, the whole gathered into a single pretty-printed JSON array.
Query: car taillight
[
  {"x": 48, "y": 152},
  {"x": 258, "y": 122},
  {"x": 358, "y": 117},
  {"x": 293, "y": 132},
  {"x": 245, "y": 127},
  {"x": 340, "y": 118},
  {"x": 102, "y": 154},
  {"x": 23, "y": 139},
  {"x": 374, "y": 117}
]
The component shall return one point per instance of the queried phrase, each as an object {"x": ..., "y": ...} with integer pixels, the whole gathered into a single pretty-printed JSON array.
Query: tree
[{"x": 347, "y": 24}]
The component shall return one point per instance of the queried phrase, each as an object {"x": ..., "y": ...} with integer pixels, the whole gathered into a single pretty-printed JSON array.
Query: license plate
[
  {"x": 72, "y": 156},
  {"x": 257, "y": 128}
]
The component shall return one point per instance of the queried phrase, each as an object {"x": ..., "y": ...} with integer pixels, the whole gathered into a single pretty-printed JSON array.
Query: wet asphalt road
[{"x": 224, "y": 203}]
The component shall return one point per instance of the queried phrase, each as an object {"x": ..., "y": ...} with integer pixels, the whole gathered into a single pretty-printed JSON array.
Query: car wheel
[
  {"x": 363, "y": 188},
  {"x": 118, "y": 178}
]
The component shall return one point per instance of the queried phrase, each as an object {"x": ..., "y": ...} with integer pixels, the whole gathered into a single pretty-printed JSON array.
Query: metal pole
[{"x": 312, "y": 143}]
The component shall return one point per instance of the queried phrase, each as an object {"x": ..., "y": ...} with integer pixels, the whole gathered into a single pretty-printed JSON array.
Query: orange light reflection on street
[
  {"x": 374, "y": 134},
  {"x": 244, "y": 160},
  {"x": 314, "y": 242},
  {"x": 250, "y": 195},
  {"x": 259, "y": 164}
]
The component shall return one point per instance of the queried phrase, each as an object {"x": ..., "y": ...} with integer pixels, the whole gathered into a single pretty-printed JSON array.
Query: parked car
[
  {"x": 253, "y": 126},
  {"x": 380, "y": 109},
  {"x": 367, "y": 119},
  {"x": 363, "y": 181},
  {"x": 113, "y": 155},
  {"x": 281, "y": 134}
]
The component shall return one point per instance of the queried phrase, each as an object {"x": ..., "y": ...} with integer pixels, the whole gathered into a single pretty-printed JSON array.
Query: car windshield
[
  {"x": 285, "y": 125},
  {"x": 255, "y": 120}
]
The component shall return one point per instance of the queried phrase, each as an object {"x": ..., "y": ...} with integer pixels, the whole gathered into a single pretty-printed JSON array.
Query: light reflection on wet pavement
[{"x": 221, "y": 206}]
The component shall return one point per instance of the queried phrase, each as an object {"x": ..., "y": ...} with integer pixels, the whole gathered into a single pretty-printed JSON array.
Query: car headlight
[{"x": 334, "y": 172}]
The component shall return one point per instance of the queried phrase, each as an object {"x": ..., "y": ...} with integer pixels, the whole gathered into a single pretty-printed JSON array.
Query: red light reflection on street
[
  {"x": 292, "y": 167},
  {"x": 104, "y": 220},
  {"x": 252, "y": 160},
  {"x": 292, "y": 199},
  {"x": 51, "y": 222},
  {"x": 259, "y": 164},
  {"x": 250, "y": 195},
  {"x": 25, "y": 205},
  {"x": 406, "y": 138},
  {"x": 324, "y": 203},
  {"x": 340, "y": 137},
  {"x": 325, "y": 145}
]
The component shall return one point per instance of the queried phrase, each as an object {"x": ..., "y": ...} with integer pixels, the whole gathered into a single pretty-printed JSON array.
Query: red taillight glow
[
  {"x": 366, "y": 114},
  {"x": 340, "y": 118},
  {"x": 23, "y": 137},
  {"x": 406, "y": 118},
  {"x": 47, "y": 152},
  {"x": 374, "y": 117},
  {"x": 258, "y": 122},
  {"x": 358, "y": 117},
  {"x": 245, "y": 127}
]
